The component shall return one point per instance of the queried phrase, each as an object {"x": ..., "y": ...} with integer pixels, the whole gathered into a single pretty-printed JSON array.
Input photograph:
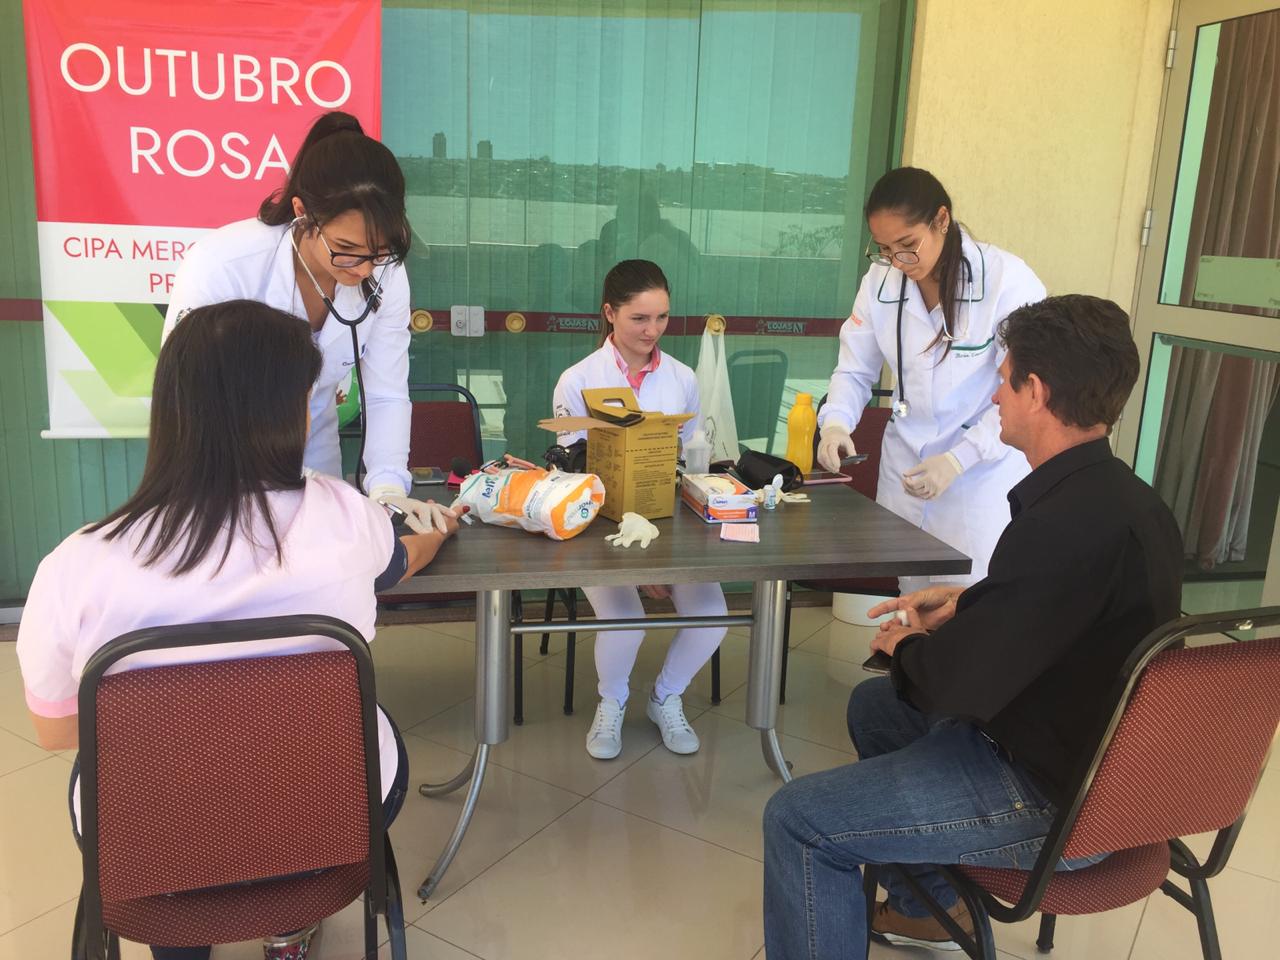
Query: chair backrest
[
  {"x": 868, "y": 438},
  {"x": 756, "y": 382},
  {"x": 203, "y": 775},
  {"x": 1188, "y": 750},
  {"x": 443, "y": 429}
]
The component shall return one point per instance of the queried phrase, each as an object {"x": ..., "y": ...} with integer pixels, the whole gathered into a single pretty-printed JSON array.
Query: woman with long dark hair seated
[{"x": 223, "y": 526}]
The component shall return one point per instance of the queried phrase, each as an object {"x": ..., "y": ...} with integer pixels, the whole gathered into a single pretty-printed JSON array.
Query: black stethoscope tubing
[{"x": 370, "y": 304}]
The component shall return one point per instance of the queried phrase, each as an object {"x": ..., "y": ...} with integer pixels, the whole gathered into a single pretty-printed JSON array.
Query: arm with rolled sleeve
[
  {"x": 858, "y": 367},
  {"x": 46, "y": 655},
  {"x": 1036, "y": 602},
  {"x": 982, "y": 440},
  {"x": 386, "y": 385}
]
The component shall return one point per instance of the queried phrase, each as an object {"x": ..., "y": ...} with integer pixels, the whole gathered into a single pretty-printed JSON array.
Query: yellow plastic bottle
[{"x": 802, "y": 422}]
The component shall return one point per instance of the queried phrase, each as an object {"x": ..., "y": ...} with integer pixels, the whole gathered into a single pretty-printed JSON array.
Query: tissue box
[{"x": 718, "y": 498}]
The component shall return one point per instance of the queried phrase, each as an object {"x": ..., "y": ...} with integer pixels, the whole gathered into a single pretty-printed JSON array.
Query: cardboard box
[
  {"x": 632, "y": 451},
  {"x": 704, "y": 494}
]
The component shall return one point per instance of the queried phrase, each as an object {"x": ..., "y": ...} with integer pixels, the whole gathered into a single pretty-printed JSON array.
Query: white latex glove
[
  {"x": 930, "y": 477},
  {"x": 834, "y": 443},
  {"x": 420, "y": 516},
  {"x": 633, "y": 527}
]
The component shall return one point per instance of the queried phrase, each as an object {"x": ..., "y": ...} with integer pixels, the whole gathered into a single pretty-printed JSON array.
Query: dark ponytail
[
  {"x": 337, "y": 169},
  {"x": 917, "y": 196},
  {"x": 625, "y": 281}
]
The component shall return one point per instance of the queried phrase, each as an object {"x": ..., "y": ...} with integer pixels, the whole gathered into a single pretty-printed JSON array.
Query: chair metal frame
[
  {"x": 91, "y": 940},
  {"x": 982, "y": 905}
]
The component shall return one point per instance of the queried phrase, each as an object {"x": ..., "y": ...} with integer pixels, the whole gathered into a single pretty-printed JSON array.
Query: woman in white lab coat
[
  {"x": 636, "y": 304},
  {"x": 330, "y": 245},
  {"x": 930, "y": 306}
]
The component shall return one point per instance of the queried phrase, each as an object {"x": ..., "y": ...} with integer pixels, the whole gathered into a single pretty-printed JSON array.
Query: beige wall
[{"x": 1040, "y": 118}]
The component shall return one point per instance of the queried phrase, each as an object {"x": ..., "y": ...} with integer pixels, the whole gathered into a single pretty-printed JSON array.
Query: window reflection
[{"x": 1218, "y": 467}]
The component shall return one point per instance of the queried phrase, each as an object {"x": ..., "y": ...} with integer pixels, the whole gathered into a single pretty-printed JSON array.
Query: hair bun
[{"x": 335, "y": 121}]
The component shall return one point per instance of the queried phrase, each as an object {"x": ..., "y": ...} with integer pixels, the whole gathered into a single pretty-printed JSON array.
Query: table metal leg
[
  {"x": 773, "y": 755},
  {"x": 492, "y": 718},
  {"x": 764, "y": 671},
  {"x": 440, "y": 789},
  {"x": 479, "y": 762}
]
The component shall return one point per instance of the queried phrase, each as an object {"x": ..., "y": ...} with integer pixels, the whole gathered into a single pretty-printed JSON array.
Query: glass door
[{"x": 1205, "y": 430}]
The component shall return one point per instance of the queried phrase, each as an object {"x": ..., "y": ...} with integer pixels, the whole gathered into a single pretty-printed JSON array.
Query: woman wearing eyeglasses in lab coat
[
  {"x": 931, "y": 306},
  {"x": 636, "y": 304},
  {"x": 328, "y": 247}
]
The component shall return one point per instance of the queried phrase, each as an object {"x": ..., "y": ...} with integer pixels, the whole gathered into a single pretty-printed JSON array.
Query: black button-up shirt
[{"x": 1089, "y": 565}]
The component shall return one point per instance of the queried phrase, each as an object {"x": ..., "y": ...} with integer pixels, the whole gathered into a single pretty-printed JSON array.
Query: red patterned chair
[
  {"x": 1181, "y": 754},
  {"x": 231, "y": 800}
]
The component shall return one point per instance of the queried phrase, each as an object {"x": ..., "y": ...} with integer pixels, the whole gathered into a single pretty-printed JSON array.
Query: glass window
[
  {"x": 1224, "y": 245},
  {"x": 731, "y": 143},
  {"x": 1212, "y": 425}
]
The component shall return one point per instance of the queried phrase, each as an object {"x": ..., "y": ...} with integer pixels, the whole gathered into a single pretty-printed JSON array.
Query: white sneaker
[
  {"x": 604, "y": 739},
  {"x": 677, "y": 735}
]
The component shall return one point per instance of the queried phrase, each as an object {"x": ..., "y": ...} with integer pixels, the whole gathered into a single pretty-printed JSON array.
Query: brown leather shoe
[{"x": 890, "y": 926}]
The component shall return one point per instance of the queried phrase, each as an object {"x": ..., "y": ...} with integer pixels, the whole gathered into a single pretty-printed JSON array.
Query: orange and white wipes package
[{"x": 560, "y": 505}]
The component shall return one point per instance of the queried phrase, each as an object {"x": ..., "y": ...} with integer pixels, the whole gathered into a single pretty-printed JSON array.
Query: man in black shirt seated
[{"x": 993, "y": 692}]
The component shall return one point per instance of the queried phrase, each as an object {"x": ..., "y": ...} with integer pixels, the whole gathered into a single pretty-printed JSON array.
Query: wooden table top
[{"x": 840, "y": 534}]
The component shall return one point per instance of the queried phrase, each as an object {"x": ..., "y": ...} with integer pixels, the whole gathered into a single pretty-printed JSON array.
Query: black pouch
[
  {"x": 756, "y": 469},
  {"x": 570, "y": 459}
]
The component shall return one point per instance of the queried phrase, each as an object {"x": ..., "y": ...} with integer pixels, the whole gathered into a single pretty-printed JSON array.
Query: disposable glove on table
[{"x": 631, "y": 529}]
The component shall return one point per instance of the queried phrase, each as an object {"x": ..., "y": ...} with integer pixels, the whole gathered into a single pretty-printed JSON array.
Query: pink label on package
[{"x": 741, "y": 532}]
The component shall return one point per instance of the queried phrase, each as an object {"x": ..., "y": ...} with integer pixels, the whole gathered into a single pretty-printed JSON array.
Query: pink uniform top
[
  {"x": 89, "y": 591},
  {"x": 634, "y": 379}
]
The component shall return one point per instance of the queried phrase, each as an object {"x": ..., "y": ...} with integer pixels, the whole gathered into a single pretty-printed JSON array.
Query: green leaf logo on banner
[{"x": 121, "y": 341}]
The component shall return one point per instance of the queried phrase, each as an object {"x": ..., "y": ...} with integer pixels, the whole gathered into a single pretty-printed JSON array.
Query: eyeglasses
[
  {"x": 905, "y": 257},
  {"x": 346, "y": 261}
]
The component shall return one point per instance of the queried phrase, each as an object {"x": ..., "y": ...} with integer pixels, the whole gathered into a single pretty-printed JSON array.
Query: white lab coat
[
  {"x": 671, "y": 389},
  {"x": 950, "y": 399},
  {"x": 252, "y": 261}
]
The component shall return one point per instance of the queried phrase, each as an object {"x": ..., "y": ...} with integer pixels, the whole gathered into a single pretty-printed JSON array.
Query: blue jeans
[
  {"x": 925, "y": 791},
  {"x": 391, "y": 805}
]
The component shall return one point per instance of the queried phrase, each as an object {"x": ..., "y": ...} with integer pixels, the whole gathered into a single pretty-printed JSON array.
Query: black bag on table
[{"x": 757, "y": 469}]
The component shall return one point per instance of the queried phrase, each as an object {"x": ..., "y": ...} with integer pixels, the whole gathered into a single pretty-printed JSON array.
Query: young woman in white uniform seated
[
  {"x": 929, "y": 307},
  {"x": 636, "y": 306},
  {"x": 222, "y": 526}
]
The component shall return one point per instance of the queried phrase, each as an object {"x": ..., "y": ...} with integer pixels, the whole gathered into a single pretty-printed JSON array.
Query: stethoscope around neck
[
  {"x": 901, "y": 408},
  {"x": 373, "y": 298},
  {"x": 370, "y": 304}
]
